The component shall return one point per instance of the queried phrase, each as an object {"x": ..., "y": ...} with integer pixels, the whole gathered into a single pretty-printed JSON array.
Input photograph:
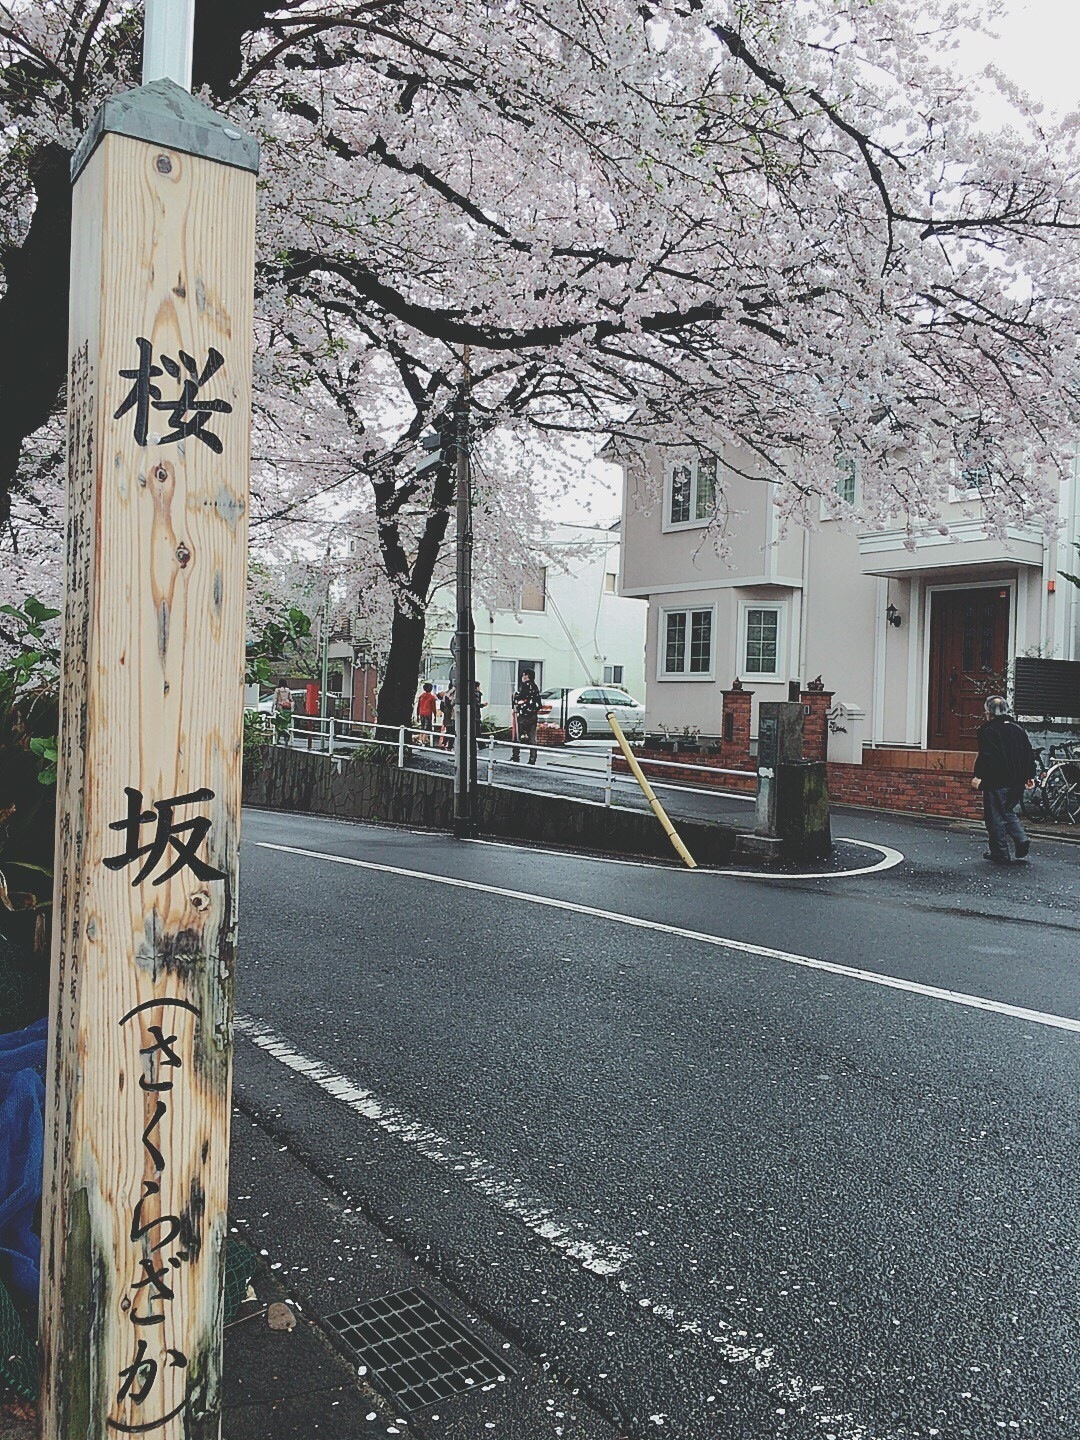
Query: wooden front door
[{"x": 969, "y": 646}]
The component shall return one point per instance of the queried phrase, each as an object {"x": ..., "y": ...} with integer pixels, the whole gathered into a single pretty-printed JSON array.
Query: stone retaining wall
[{"x": 365, "y": 790}]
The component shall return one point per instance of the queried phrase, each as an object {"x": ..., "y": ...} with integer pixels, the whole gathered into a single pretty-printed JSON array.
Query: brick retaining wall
[
  {"x": 920, "y": 792},
  {"x": 674, "y": 774}
]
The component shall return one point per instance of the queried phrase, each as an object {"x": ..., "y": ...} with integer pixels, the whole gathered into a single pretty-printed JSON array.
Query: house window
[
  {"x": 613, "y": 674},
  {"x": 609, "y": 583},
  {"x": 761, "y": 640},
  {"x": 692, "y": 492},
  {"x": 534, "y": 591},
  {"x": 687, "y": 642},
  {"x": 846, "y": 476},
  {"x": 974, "y": 478}
]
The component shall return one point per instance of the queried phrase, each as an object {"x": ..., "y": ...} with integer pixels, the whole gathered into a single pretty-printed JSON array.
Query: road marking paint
[
  {"x": 569, "y": 1236},
  {"x": 765, "y": 952},
  {"x": 890, "y": 858}
]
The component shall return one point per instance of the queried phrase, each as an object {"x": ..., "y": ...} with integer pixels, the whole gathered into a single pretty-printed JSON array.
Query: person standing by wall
[
  {"x": 425, "y": 712},
  {"x": 527, "y": 705},
  {"x": 282, "y": 714},
  {"x": 1004, "y": 765},
  {"x": 446, "y": 705}
]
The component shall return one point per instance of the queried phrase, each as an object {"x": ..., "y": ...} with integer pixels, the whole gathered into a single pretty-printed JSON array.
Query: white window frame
[
  {"x": 684, "y": 676},
  {"x": 538, "y": 581},
  {"x": 960, "y": 491},
  {"x": 779, "y": 676},
  {"x": 667, "y": 524},
  {"x": 856, "y": 502}
]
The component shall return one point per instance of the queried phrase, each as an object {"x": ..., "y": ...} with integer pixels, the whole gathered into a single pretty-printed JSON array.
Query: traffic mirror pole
[{"x": 148, "y": 798}]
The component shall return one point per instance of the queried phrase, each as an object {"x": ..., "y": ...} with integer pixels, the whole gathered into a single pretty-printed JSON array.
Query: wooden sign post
[{"x": 137, "y": 1125}]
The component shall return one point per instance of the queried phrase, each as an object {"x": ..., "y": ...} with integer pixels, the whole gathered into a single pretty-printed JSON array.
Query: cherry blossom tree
[{"x": 684, "y": 222}]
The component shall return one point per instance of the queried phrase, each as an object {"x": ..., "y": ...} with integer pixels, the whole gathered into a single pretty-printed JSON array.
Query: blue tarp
[{"x": 22, "y": 1135}]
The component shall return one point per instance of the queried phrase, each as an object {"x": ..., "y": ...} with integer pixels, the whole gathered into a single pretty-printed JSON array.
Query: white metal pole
[{"x": 168, "y": 34}]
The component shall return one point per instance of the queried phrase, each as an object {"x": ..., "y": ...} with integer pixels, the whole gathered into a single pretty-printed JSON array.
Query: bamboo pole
[
  {"x": 140, "y": 1062},
  {"x": 647, "y": 790}
]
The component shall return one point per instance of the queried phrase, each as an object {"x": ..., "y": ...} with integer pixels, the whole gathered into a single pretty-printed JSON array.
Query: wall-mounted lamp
[{"x": 893, "y": 616}]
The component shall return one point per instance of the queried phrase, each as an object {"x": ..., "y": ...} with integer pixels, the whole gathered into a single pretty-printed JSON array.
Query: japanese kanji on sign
[{"x": 137, "y": 1127}]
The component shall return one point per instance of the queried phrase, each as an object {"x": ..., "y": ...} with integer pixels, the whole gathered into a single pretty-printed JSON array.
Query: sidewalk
[{"x": 286, "y": 1378}]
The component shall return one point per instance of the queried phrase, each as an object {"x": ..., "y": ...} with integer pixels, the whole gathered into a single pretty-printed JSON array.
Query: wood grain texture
[{"x": 137, "y": 1123}]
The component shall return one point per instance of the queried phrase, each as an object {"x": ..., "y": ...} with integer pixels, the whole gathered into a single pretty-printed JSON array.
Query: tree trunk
[
  {"x": 34, "y": 316},
  {"x": 401, "y": 679}
]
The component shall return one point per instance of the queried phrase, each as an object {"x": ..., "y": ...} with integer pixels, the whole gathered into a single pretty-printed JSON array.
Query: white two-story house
[{"x": 915, "y": 638}]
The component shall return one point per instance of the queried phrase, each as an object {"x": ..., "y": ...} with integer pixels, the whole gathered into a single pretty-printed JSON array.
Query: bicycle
[{"x": 1056, "y": 792}]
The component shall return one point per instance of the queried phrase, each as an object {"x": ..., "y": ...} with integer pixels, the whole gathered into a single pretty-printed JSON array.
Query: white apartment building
[
  {"x": 568, "y": 623},
  {"x": 915, "y": 638}
]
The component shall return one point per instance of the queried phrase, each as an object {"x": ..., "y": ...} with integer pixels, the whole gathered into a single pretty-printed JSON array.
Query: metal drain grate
[{"x": 415, "y": 1352}]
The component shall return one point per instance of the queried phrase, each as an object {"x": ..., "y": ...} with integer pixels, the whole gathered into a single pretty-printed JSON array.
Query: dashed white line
[
  {"x": 570, "y": 1237},
  {"x": 765, "y": 952}
]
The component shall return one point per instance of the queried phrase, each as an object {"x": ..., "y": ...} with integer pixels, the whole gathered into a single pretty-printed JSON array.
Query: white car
[{"x": 587, "y": 708}]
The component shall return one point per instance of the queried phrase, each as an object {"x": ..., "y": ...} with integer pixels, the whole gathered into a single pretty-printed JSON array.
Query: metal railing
[{"x": 340, "y": 738}]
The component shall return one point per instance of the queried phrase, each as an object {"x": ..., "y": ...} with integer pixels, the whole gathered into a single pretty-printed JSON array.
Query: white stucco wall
[
  {"x": 834, "y": 588},
  {"x": 582, "y": 629}
]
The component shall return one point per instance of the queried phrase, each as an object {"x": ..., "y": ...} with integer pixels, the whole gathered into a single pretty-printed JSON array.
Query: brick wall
[
  {"x": 816, "y": 706},
  {"x": 674, "y": 774},
  {"x": 920, "y": 792}
]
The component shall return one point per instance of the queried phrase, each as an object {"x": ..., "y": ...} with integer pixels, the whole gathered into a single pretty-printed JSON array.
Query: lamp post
[{"x": 148, "y": 794}]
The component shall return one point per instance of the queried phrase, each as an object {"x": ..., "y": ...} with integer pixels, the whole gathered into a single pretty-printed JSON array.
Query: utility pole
[
  {"x": 138, "y": 1101},
  {"x": 324, "y": 636},
  {"x": 464, "y": 640}
]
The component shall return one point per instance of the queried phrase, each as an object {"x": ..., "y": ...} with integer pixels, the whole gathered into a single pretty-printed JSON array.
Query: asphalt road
[{"x": 720, "y": 1190}]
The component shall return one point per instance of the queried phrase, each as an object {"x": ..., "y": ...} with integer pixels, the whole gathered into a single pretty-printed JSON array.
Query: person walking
[
  {"x": 425, "y": 712},
  {"x": 1004, "y": 766},
  {"x": 282, "y": 713},
  {"x": 527, "y": 704},
  {"x": 446, "y": 704},
  {"x": 479, "y": 705}
]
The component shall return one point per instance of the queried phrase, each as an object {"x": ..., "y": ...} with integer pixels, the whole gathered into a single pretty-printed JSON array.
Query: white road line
[
  {"x": 569, "y": 1236},
  {"x": 765, "y": 952},
  {"x": 889, "y": 859}
]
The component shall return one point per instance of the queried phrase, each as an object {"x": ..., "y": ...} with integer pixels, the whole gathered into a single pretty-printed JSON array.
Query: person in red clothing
[{"x": 425, "y": 712}]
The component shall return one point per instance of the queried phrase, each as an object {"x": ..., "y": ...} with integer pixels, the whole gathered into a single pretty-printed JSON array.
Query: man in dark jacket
[
  {"x": 1004, "y": 765},
  {"x": 527, "y": 704}
]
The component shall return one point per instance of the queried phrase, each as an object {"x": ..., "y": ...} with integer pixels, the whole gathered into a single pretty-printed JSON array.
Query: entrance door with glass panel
[
  {"x": 969, "y": 656},
  {"x": 505, "y": 675}
]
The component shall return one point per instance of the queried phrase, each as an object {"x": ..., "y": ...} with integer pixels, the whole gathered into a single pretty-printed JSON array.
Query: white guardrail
[{"x": 332, "y": 737}]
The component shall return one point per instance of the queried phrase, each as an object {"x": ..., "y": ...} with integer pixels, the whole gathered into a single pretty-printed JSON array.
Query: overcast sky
[{"x": 1037, "y": 47}]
